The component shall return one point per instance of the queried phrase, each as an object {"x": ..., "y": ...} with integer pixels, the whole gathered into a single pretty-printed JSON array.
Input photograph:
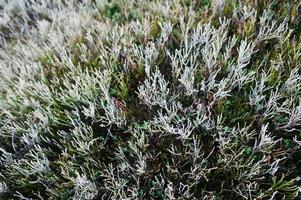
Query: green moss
[
  {"x": 236, "y": 109},
  {"x": 274, "y": 78},
  {"x": 289, "y": 143},
  {"x": 112, "y": 10},
  {"x": 229, "y": 8},
  {"x": 205, "y": 3},
  {"x": 155, "y": 29},
  {"x": 248, "y": 151}
]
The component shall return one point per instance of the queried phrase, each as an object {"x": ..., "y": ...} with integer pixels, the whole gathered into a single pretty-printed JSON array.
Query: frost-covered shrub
[{"x": 166, "y": 99}]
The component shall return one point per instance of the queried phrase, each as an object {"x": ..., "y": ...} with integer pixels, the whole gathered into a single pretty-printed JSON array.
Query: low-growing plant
[{"x": 166, "y": 99}]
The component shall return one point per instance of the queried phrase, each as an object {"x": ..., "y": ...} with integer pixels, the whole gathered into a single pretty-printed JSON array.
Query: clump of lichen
[{"x": 166, "y": 99}]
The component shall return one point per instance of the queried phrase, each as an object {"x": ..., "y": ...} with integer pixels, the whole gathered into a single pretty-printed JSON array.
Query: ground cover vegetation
[{"x": 164, "y": 99}]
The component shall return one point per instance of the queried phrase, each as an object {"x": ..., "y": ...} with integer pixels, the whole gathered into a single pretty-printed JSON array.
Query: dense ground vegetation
[{"x": 164, "y": 99}]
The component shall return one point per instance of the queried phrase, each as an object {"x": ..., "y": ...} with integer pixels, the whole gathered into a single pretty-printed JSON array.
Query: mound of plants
[{"x": 164, "y": 99}]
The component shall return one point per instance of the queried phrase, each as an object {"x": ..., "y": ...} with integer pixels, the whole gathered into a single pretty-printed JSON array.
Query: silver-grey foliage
[{"x": 148, "y": 100}]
